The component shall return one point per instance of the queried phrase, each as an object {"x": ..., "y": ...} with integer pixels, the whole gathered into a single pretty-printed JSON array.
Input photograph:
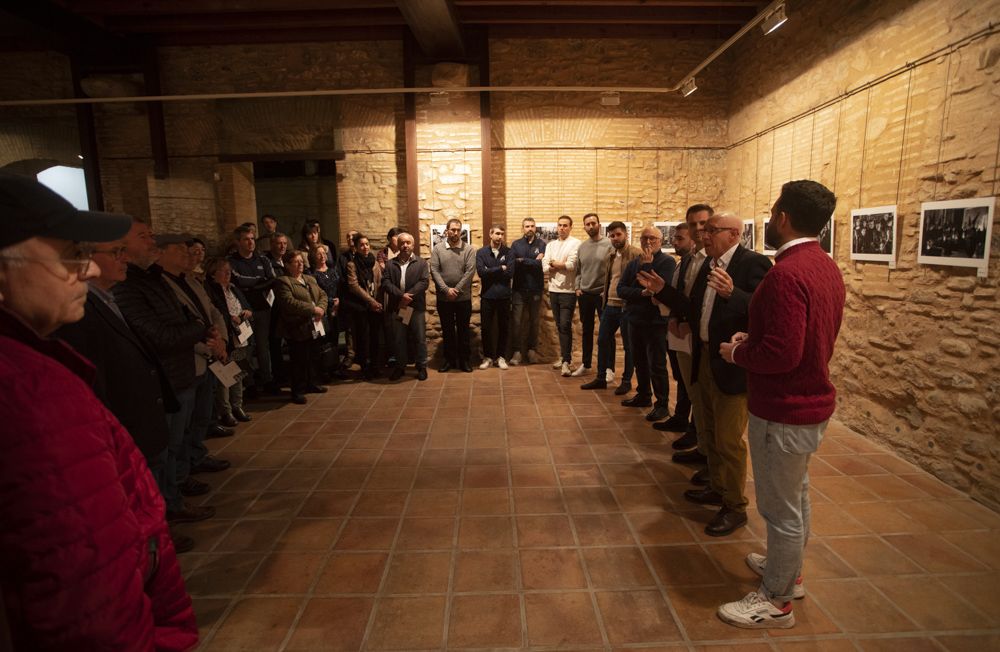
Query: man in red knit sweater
[{"x": 795, "y": 316}]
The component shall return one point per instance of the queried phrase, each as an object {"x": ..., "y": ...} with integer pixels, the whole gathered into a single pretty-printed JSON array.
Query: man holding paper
[{"x": 405, "y": 285}]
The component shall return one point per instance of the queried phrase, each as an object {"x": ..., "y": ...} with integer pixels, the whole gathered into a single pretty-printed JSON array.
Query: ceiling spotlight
[
  {"x": 774, "y": 20},
  {"x": 439, "y": 98},
  {"x": 610, "y": 98},
  {"x": 80, "y": 156},
  {"x": 689, "y": 87}
]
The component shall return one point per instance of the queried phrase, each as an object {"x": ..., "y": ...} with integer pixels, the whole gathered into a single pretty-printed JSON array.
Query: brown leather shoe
[
  {"x": 700, "y": 478},
  {"x": 190, "y": 514},
  {"x": 725, "y": 522}
]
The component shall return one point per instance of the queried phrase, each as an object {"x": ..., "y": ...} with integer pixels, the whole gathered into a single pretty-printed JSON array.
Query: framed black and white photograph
[
  {"x": 768, "y": 249},
  {"x": 628, "y": 232},
  {"x": 546, "y": 231},
  {"x": 747, "y": 237},
  {"x": 826, "y": 237},
  {"x": 873, "y": 234},
  {"x": 438, "y": 234},
  {"x": 667, "y": 229},
  {"x": 956, "y": 233}
]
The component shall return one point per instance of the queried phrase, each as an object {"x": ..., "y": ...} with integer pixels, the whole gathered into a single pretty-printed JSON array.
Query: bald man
[{"x": 717, "y": 309}]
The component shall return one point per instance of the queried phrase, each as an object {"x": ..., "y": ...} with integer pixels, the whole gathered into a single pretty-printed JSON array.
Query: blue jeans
[
  {"x": 177, "y": 425},
  {"x": 563, "y": 304},
  {"x": 780, "y": 456},
  {"x": 410, "y": 338},
  {"x": 612, "y": 319}
]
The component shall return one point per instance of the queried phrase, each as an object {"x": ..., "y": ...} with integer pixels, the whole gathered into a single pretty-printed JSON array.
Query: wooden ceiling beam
[
  {"x": 606, "y": 14},
  {"x": 435, "y": 27},
  {"x": 254, "y": 21}
]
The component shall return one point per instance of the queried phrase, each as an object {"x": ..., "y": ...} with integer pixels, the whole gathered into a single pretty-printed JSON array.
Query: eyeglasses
[
  {"x": 712, "y": 230},
  {"x": 117, "y": 252},
  {"x": 79, "y": 266}
]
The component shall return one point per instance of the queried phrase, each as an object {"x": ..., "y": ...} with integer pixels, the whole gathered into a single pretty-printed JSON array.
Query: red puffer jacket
[{"x": 79, "y": 514}]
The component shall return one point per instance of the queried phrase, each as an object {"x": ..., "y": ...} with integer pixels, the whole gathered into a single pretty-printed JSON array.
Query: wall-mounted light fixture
[
  {"x": 774, "y": 20},
  {"x": 689, "y": 87},
  {"x": 439, "y": 98},
  {"x": 610, "y": 98}
]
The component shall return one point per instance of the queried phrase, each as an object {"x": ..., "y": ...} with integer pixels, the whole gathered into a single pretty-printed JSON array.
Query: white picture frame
[
  {"x": 546, "y": 231},
  {"x": 747, "y": 238},
  {"x": 956, "y": 233},
  {"x": 874, "y": 234},
  {"x": 667, "y": 229},
  {"x": 766, "y": 249}
]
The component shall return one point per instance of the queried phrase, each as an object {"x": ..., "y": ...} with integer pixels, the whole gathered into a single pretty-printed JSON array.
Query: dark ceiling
[{"x": 443, "y": 28}]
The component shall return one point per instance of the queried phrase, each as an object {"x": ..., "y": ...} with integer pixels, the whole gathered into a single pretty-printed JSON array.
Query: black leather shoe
[
  {"x": 396, "y": 373},
  {"x": 192, "y": 487},
  {"x": 700, "y": 478},
  {"x": 685, "y": 442},
  {"x": 638, "y": 401},
  {"x": 214, "y": 432},
  {"x": 703, "y": 497},
  {"x": 444, "y": 368},
  {"x": 674, "y": 424},
  {"x": 725, "y": 522},
  {"x": 209, "y": 464},
  {"x": 227, "y": 420},
  {"x": 240, "y": 415},
  {"x": 466, "y": 367},
  {"x": 689, "y": 457},
  {"x": 422, "y": 373},
  {"x": 181, "y": 543},
  {"x": 658, "y": 413},
  {"x": 190, "y": 514},
  {"x": 298, "y": 399},
  {"x": 596, "y": 383},
  {"x": 315, "y": 389},
  {"x": 623, "y": 389}
]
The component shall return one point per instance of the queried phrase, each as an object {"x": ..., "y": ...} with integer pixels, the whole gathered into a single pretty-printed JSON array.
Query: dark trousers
[
  {"x": 303, "y": 358},
  {"x": 455, "y": 317},
  {"x": 563, "y": 304},
  {"x": 278, "y": 371},
  {"x": 261, "y": 343},
  {"x": 495, "y": 317},
  {"x": 524, "y": 322},
  {"x": 613, "y": 318},
  {"x": 649, "y": 348},
  {"x": 682, "y": 408},
  {"x": 590, "y": 307},
  {"x": 366, "y": 326}
]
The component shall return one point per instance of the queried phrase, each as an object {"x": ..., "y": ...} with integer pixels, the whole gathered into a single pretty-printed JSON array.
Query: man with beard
[
  {"x": 795, "y": 316},
  {"x": 526, "y": 294},
  {"x": 495, "y": 270},
  {"x": 613, "y": 313},
  {"x": 592, "y": 269},
  {"x": 453, "y": 262}
]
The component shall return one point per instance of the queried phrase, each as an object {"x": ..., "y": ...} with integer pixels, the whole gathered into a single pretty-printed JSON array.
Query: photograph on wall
[
  {"x": 747, "y": 237},
  {"x": 873, "y": 234},
  {"x": 768, "y": 249},
  {"x": 628, "y": 232},
  {"x": 667, "y": 229},
  {"x": 437, "y": 234},
  {"x": 956, "y": 232},
  {"x": 826, "y": 237},
  {"x": 546, "y": 231}
]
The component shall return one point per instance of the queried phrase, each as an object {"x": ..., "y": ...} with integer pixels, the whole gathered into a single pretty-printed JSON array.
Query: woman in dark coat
[
  {"x": 301, "y": 306},
  {"x": 230, "y": 301},
  {"x": 328, "y": 278},
  {"x": 364, "y": 277}
]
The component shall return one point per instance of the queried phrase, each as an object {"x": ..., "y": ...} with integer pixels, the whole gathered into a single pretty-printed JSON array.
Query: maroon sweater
[{"x": 795, "y": 316}]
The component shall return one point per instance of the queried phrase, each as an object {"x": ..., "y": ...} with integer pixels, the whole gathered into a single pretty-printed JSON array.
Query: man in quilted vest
[{"x": 86, "y": 560}]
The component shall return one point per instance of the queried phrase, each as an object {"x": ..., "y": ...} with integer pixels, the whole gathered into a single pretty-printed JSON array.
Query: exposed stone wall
[{"x": 916, "y": 364}]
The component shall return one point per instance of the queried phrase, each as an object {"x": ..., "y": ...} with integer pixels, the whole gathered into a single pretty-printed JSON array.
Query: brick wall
[{"x": 916, "y": 364}]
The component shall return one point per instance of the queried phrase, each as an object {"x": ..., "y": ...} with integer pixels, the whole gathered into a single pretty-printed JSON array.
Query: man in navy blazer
[
  {"x": 405, "y": 284},
  {"x": 648, "y": 325},
  {"x": 717, "y": 309}
]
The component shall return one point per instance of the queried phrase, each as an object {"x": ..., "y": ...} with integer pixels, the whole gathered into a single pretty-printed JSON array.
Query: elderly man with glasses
[{"x": 86, "y": 561}]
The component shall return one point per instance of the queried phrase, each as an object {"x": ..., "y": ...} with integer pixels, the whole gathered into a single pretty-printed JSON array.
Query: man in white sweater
[{"x": 560, "y": 263}]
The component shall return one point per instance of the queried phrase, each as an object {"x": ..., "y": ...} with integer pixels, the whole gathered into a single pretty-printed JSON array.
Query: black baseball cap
[{"x": 29, "y": 209}]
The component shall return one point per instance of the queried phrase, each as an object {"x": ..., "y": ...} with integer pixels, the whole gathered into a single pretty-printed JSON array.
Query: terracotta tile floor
[{"x": 513, "y": 510}]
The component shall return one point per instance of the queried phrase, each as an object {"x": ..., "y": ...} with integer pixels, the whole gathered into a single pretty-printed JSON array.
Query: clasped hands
[{"x": 726, "y": 348}]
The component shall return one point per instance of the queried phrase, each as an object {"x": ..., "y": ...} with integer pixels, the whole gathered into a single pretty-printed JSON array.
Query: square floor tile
[
  {"x": 418, "y": 573},
  {"x": 545, "y": 530},
  {"x": 552, "y": 568},
  {"x": 407, "y": 623},
  {"x": 561, "y": 619},
  {"x": 485, "y": 532},
  {"x": 352, "y": 573},
  {"x": 484, "y": 570},
  {"x": 637, "y": 617},
  {"x": 489, "y": 621}
]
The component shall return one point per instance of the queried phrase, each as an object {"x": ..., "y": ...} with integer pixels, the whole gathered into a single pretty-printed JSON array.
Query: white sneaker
[
  {"x": 758, "y": 563},
  {"x": 533, "y": 357},
  {"x": 756, "y": 612},
  {"x": 502, "y": 363},
  {"x": 486, "y": 364},
  {"x": 515, "y": 359},
  {"x": 565, "y": 369},
  {"x": 609, "y": 376},
  {"x": 579, "y": 371},
  {"x": 557, "y": 364}
]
